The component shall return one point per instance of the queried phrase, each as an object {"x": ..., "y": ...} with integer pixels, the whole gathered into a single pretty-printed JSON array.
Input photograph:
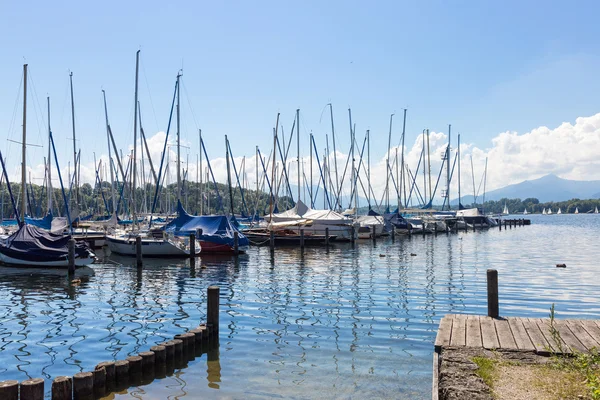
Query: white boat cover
[{"x": 470, "y": 212}]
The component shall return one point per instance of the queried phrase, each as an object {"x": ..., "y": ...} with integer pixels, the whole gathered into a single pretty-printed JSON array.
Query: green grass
[{"x": 486, "y": 369}]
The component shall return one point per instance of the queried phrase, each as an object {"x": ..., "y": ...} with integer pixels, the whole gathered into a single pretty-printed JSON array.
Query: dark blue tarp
[
  {"x": 215, "y": 228},
  {"x": 30, "y": 243},
  {"x": 44, "y": 223}
]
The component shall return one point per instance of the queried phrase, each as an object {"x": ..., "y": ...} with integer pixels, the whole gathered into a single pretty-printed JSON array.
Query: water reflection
[{"x": 343, "y": 321}]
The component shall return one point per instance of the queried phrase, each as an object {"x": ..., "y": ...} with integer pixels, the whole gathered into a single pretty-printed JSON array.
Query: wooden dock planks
[{"x": 514, "y": 333}]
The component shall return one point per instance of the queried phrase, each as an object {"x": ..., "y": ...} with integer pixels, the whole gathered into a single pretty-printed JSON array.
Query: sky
[{"x": 517, "y": 80}]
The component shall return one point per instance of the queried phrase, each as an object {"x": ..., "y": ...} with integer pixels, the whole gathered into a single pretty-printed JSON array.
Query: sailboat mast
[
  {"x": 423, "y": 152},
  {"x": 402, "y": 181},
  {"x": 298, "y": 148},
  {"x": 448, "y": 165},
  {"x": 473, "y": 176},
  {"x": 273, "y": 168},
  {"x": 458, "y": 154},
  {"x": 387, "y": 167},
  {"x": 49, "y": 162},
  {"x": 135, "y": 117},
  {"x": 110, "y": 162},
  {"x": 429, "y": 168},
  {"x": 178, "y": 141},
  {"x": 23, "y": 152},
  {"x": 228, "y": 174},
  {"x": 310, "y": 147},
  {"x": 74, "y": 145},
  {"x": 484, "y": 183},
  {"x": 351, "y": 154},
  {"x": 201, "y": 173},
  {"x": 337, "y": 182},
  {"x": 369, "y": 169}
]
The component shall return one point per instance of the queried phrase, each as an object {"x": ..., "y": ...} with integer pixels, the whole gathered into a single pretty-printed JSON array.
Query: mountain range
[{"x": 547, "y": 188}]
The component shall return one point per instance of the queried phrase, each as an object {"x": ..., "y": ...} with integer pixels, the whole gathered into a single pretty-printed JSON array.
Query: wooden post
[
  {"x": 71, "y": 256},
  {"x": 83, "y": 386},
  {"x": 272, "y": 241},
  {"x": 178, "y": 351},
  {"x": 122, "y": 373},
  {"x": 409, "y": 229},
  {"x": 148, "y": 360},
  {"x": 109, "y": 366},
  {"x": 236, "y": 243},
  {"x": 138, "y": 250},
  {"x": 204, "y": 330},
  {"x": 197, "y": 340},
  {"x": 99, "y": 381},
  {"x": 135, "y": 366},
  {"x": 393, "y": 233},
  {"x": 353, "y": 233},
  {"x": 32, "y": 389},
  {"x": 62, "y": 388},
  {"x": 9, "y": 390},
  {"x": 192, "y": 245},
  {"x": 212, "y": 308},
  {"x": 190, "y": 345},
  {"x": 374, "y": 233},
  {"x": 301, "y": 239},
  {"x": 160, "y": 354},
  {"x": 184, "y": 345},
  {"x": 327, "y": 237},
  {"x": 492, "y": 293},
  {"x": 500, "y": 225},
  {"x": 169, "y": 352}
]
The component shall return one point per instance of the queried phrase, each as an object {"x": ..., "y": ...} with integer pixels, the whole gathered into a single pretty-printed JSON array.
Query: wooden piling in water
[
  {"x": 393, "y": 233},
  {"x": 492, "y": 293},
  {"x": 83, "y": 386},
  {"x": 236, "y": 243},
  {"x": 62, "y": 388},
  {"x": 121, "y": 373},
  {"x": 374, "y": 233},
  {"x": 169, "y": 352},
  {"x": 138, "y": 250},
  {"x": 327, "y": 237},
  {"x": 99, "y": 381},
  {"x": 192, "y": 245},
  {"x": 190, "y": 344},
  {"x": 197, "y": 332},
  {"x": 9, "y": 390},
  {"x": 301, "y": 239},
  {"x": 135, "y": 365},
  {"x": 178, "y": 351},
  {"x": 32, "y": 389},
  {"x": 109, "y": 367},
  {"x": 160, "y": 355},
  {"x": 272, "y": 241},
  {"x": 212, "y": 307},
  {"x": 148, "y": 360},
  {"x": 71, "y": 256},
  {"x": 353, "y": 233}
]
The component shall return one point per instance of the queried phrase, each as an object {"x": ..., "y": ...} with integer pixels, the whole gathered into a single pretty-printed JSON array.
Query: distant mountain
[{"x": 546, "y": 188}]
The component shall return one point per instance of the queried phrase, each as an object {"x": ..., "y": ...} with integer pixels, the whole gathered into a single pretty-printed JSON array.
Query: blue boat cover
[
  {"x": 30, "y": 243},
  {"x": 44, "y": 223},
  {"x": 215, "y": 228}
]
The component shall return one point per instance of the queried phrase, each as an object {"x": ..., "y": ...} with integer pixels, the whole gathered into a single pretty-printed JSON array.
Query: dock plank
[
  {"x": 459, "y": 331},
  {"x": 444, "y": 333},
  {"x": 567, "y": 335},
  {"x": 474, "y": 332},
  {"x": 544, "y": 325},
  {"x": 535, "y": 335},
  {"x": 505, "y": 336},
  {"x": 488, "y": 333},
  {"x": 592, "y": 329},
  {"x": 581, "y": 334},
  {"x": 520, "y": 335}
]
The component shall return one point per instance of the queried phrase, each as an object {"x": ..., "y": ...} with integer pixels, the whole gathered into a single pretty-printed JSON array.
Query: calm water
[{"x": 344, "y": 323}]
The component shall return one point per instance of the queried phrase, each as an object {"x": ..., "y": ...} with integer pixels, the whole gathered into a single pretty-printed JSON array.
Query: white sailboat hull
[
  {"x": 15, "y": 262},
  {"x": 150, "y": 247}
]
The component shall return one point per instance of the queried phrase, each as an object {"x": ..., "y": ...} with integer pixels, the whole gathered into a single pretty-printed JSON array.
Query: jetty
[{"x": 519, "y": 337}]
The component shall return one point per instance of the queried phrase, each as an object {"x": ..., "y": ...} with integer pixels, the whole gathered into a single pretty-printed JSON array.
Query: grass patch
[{"x": 486, "y": 369}]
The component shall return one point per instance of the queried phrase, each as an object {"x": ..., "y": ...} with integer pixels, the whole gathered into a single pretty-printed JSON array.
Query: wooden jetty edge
[
  {"x": 517, "y": 334},
  {"x": 141, "y": 369}
]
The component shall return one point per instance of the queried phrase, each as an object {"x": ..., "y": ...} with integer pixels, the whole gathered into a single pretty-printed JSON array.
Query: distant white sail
[
  {"x": 505, "y": 211},
  {"x": 549, "y": 212},
  {"x": 596, "y": 210},
  {"x": 544, "y": 211},
  {"x": 525, "y": 212},
  {"x": 559, "y": 211},
  {"x": 576, "y": 210}
]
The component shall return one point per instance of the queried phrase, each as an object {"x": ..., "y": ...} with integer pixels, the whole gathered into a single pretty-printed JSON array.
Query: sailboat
[
  {"x": 549, "y": 212},
  {"x": 505, "y": 211},
  {"x": 544, "y": 211},
  {"x": 525, "y": 212},
  {"x": 31, "y": 246},
  {"x": 155, "y": 243},
  {"x": 559, "y": 211},
  {"x": 596, "y": 210},
  {"x": 576, "y": 210}
]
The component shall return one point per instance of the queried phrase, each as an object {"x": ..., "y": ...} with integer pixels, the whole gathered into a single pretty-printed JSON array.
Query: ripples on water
[{"x": 343, "y": 322}]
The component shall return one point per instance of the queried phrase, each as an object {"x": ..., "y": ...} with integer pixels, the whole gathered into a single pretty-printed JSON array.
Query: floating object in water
[
  {"x": 413, "y": 254},
  {"x": 382, "y": 255},
  {"x": 561, "y": 265},
  {"x": 75, "y": 281}
]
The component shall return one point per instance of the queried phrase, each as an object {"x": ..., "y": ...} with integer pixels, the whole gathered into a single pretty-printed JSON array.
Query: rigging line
[
  {"x": 14, "y": 115},
  {"x": 149, "y": 93},
  {"x": 190, "y": 104},
  {"x": 37, "y": 111}
]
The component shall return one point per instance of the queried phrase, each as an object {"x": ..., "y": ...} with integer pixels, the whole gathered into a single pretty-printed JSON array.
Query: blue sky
[{"x": 485, "y": 67}]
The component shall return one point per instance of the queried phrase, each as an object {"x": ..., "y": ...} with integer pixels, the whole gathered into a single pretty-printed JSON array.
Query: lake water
[{"x": 347, "y": 322}]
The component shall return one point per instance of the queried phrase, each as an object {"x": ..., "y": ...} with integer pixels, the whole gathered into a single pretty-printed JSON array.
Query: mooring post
[
  {"x": 393, "y": 233},
  {"x": 9, "y": 390},
  {"x": 99, "y": 381},
  {"x": 272, "y": 241},
  {"x": 500, "y": 225},
  {"x": 192, "y": 245},
  {"x": 236, "y": 243},
  {"x": 327, "y": 237},
  {"x": 62, "y": 388},
  {"x": 71, "y": 256},
  {"x": 83, "y": 386},
  {"x": 353, "y": 233},
  {"x": 492, "y": 293},
  {"x": 301, "y": 239},
  {"x": 212, "y": 307},
  {"x": 138, "y": 250},
  {"x": 109, "y": 367},
  {"x": 32, "y": 389}
]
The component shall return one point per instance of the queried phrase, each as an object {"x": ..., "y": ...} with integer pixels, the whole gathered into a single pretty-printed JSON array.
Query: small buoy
[
  {"x": 413, "y": 254},
  {"x": 561, "y": 265},
  {"x": 382, "y": 255},
  {"x": 75, "y": 281}
]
